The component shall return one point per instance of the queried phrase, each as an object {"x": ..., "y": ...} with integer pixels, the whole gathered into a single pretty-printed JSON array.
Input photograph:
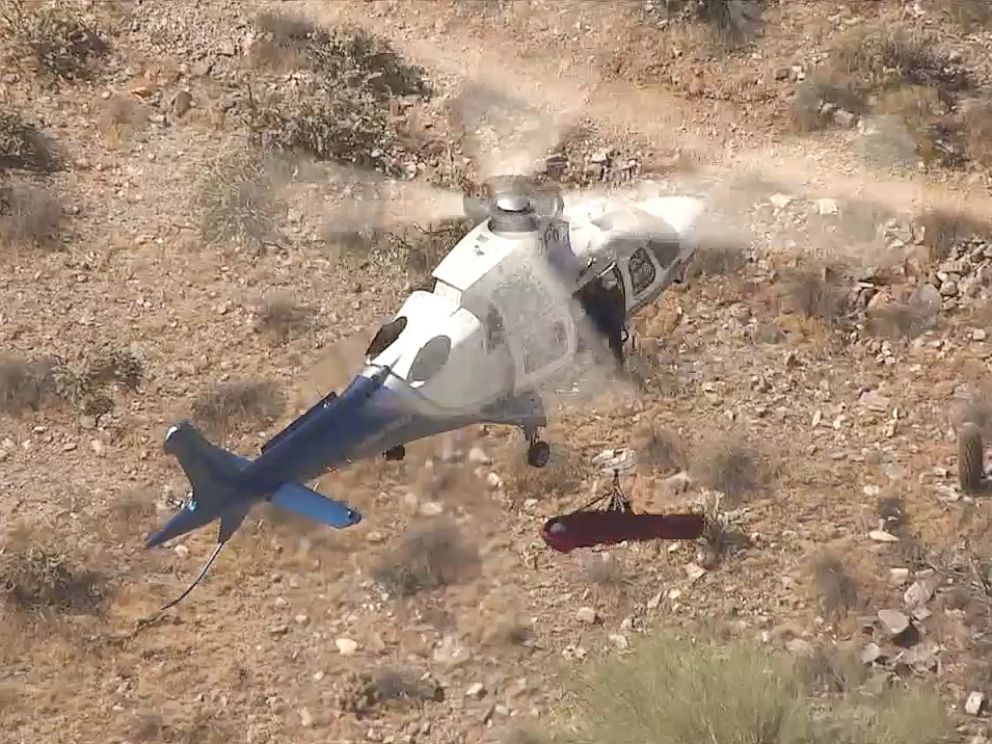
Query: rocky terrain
[{"x": 174, "y": 241}]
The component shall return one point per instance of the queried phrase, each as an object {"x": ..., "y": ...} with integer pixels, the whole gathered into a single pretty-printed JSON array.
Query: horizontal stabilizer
[{"x": 305, "y": 502}]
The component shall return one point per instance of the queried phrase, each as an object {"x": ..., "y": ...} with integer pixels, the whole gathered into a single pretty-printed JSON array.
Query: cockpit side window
[
  {"x": 385, "y": 337},
  {"x": 495, "y": 335},
  {"x": 430, "y": 359}
]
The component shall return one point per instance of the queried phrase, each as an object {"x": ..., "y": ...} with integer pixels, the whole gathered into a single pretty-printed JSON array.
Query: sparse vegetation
[
  {"x": 239, "y": 200},
  {"x": 662, "y": 450},
  {"x": 343, "y": 115},
  {"x": 230, "y": 405},
  {"x": 736, "y": 692},
  {"x": 387, "y": 685},
  {"x": 23, "y": 147},
  {"x": 977, "y": 122},
  {"x": 29, "y": 215},
  {"x": 732, "y": 22},
  {"x": 38, "y": 575},
  {"x": 727, "y": 465},
  {"x": 282, "y": 318},
  {"x": 122, "y": 116},
  {"x": 430, "y": 555},
  {"x": 904, "y": 68},
  {"x": 815, "y": 293},
  {"x": 25, "y": 385},
  {"x": 716, "y": 257},
  {"x": 61, "y": 40},
  {"x": 836, "y": 591},
  {"x": 971, "y": 459},
  {"x": 944, "y": 229},
  {"x": 901, "y": 320}
]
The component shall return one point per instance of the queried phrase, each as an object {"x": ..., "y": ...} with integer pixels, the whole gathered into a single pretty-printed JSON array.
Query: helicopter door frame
[{"x": 646, "y": 292}]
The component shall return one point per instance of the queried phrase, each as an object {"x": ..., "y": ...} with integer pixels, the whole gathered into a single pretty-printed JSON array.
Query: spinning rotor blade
[{"x": 504, "y": 135}]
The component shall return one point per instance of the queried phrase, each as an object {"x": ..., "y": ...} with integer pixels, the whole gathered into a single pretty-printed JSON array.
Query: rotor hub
[{"x": 515, "y": 203}]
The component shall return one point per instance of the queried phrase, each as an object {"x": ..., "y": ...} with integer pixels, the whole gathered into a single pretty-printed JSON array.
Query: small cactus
[{"x": 971, "y": 465}]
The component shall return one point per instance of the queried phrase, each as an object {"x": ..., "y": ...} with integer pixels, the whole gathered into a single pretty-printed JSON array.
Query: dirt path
[{"x": 472, "y": 49}]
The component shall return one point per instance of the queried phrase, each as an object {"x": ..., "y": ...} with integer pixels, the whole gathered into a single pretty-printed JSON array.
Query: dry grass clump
[
  {"x": 836, "y": 591},
  {"x": 943, "y": 229},
  {"x": 62, "y": 42},
  {"x": 970, "y": 14},
  {"x": 226, "y": 406},
  {"x": 39, "y": 575},
  {"x": 23, "y": 147},
  {"x": 903, "y": 67},
  {"x": 917, "y": 108},
  {"x": 31, "y": 384},
  {"x": 430, "y": 555},
  {"x": 716, "y": 257},
  {"x": 121, "y": 117},
  {"x": 901, "y": 320},
  {"x": 25, "y": 385},
  {"x": 728, "y": 465},
  {"x": 814, "y": 292},
  {"x": 239, "y": 200},
  {"x": 662, "y": 450},
  {"x": 735, "y": 692},
  {"x": 282, "y": 318},
  {"x": 833, "y": 670},
  {"x": 388, "y": 685},
  {"x": 731, "y": 22},
  {"x": 342, "y": 113},
  {"x": 977, "y": 122},
  {"x": 29, "y": 215}
]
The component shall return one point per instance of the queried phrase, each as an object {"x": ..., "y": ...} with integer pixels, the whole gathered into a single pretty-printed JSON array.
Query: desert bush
[
  {"x": 675, "y": 690},
  {"x": 342, "y": 113},
  {"x": 916, "y": 107},
  {"x": 833, "y": 670},
  {"x": 39, "y": 575},
  {"x": 731, "y": 22},
  {"x": 943, "y": 229},
  {"x": 29, "y": 215},
  {"x": 115, "y": 365},
  {"x": 970, "y": 14},
  {"x": 231, "y": 405},
  {"x": 122, "y": 116},
  {"x": 815, "y": 293},
  {"x": 388, "y": 685},
  {"x": 900, "y": 320},
  {"x": 24, "y": 384},
  {"x": 346, "y": 57},
  {"x": 871, "y": 61},
  {"x": 836, "y": 591},
  {"x": 23, "y": 147},
  {"x": 429, "y": 556},
  {"x": 61, "y": 40},
  {"x": 238, "y": 200},
  {"x": 662, "y": 450},
  {"x": 886, "y": 57},
  {"x": 717, "y": 257},
  {"x": 728, "y": 465},
  {"x": 281, "y": 317},
  {"x": 978, "y": 131}
]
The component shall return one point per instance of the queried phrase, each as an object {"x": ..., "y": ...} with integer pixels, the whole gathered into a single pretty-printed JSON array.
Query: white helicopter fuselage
[{"x": 502, "y": 317}]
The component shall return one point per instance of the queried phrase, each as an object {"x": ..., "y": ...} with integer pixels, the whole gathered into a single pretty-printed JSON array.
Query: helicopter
[{"x": 513, "y": 308}]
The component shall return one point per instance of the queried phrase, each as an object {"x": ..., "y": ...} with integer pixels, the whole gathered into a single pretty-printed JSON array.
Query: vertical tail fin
[{"x": 213, "y": 474}]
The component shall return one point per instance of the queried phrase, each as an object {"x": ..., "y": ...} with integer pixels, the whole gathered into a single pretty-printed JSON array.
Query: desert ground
[{"x": 179, "y": 237}]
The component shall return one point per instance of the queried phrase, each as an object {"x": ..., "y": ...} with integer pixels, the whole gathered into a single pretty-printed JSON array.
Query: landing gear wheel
[
  {"x": 396, "y": 453},
  {"x": 538, "y": 454}
]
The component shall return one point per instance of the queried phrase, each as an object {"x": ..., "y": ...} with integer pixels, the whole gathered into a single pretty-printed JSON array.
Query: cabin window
[
  {"x": 666, "y": 251},
  {"x": 385, "y": 337},
  {"x": 495, "y": 334},
  {"x": 642, "y": 271},
  {"x": 430, "y": 359}
]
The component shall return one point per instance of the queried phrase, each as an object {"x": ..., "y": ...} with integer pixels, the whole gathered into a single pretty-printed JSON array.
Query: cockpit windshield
[{"x": 385, "y": 337}]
